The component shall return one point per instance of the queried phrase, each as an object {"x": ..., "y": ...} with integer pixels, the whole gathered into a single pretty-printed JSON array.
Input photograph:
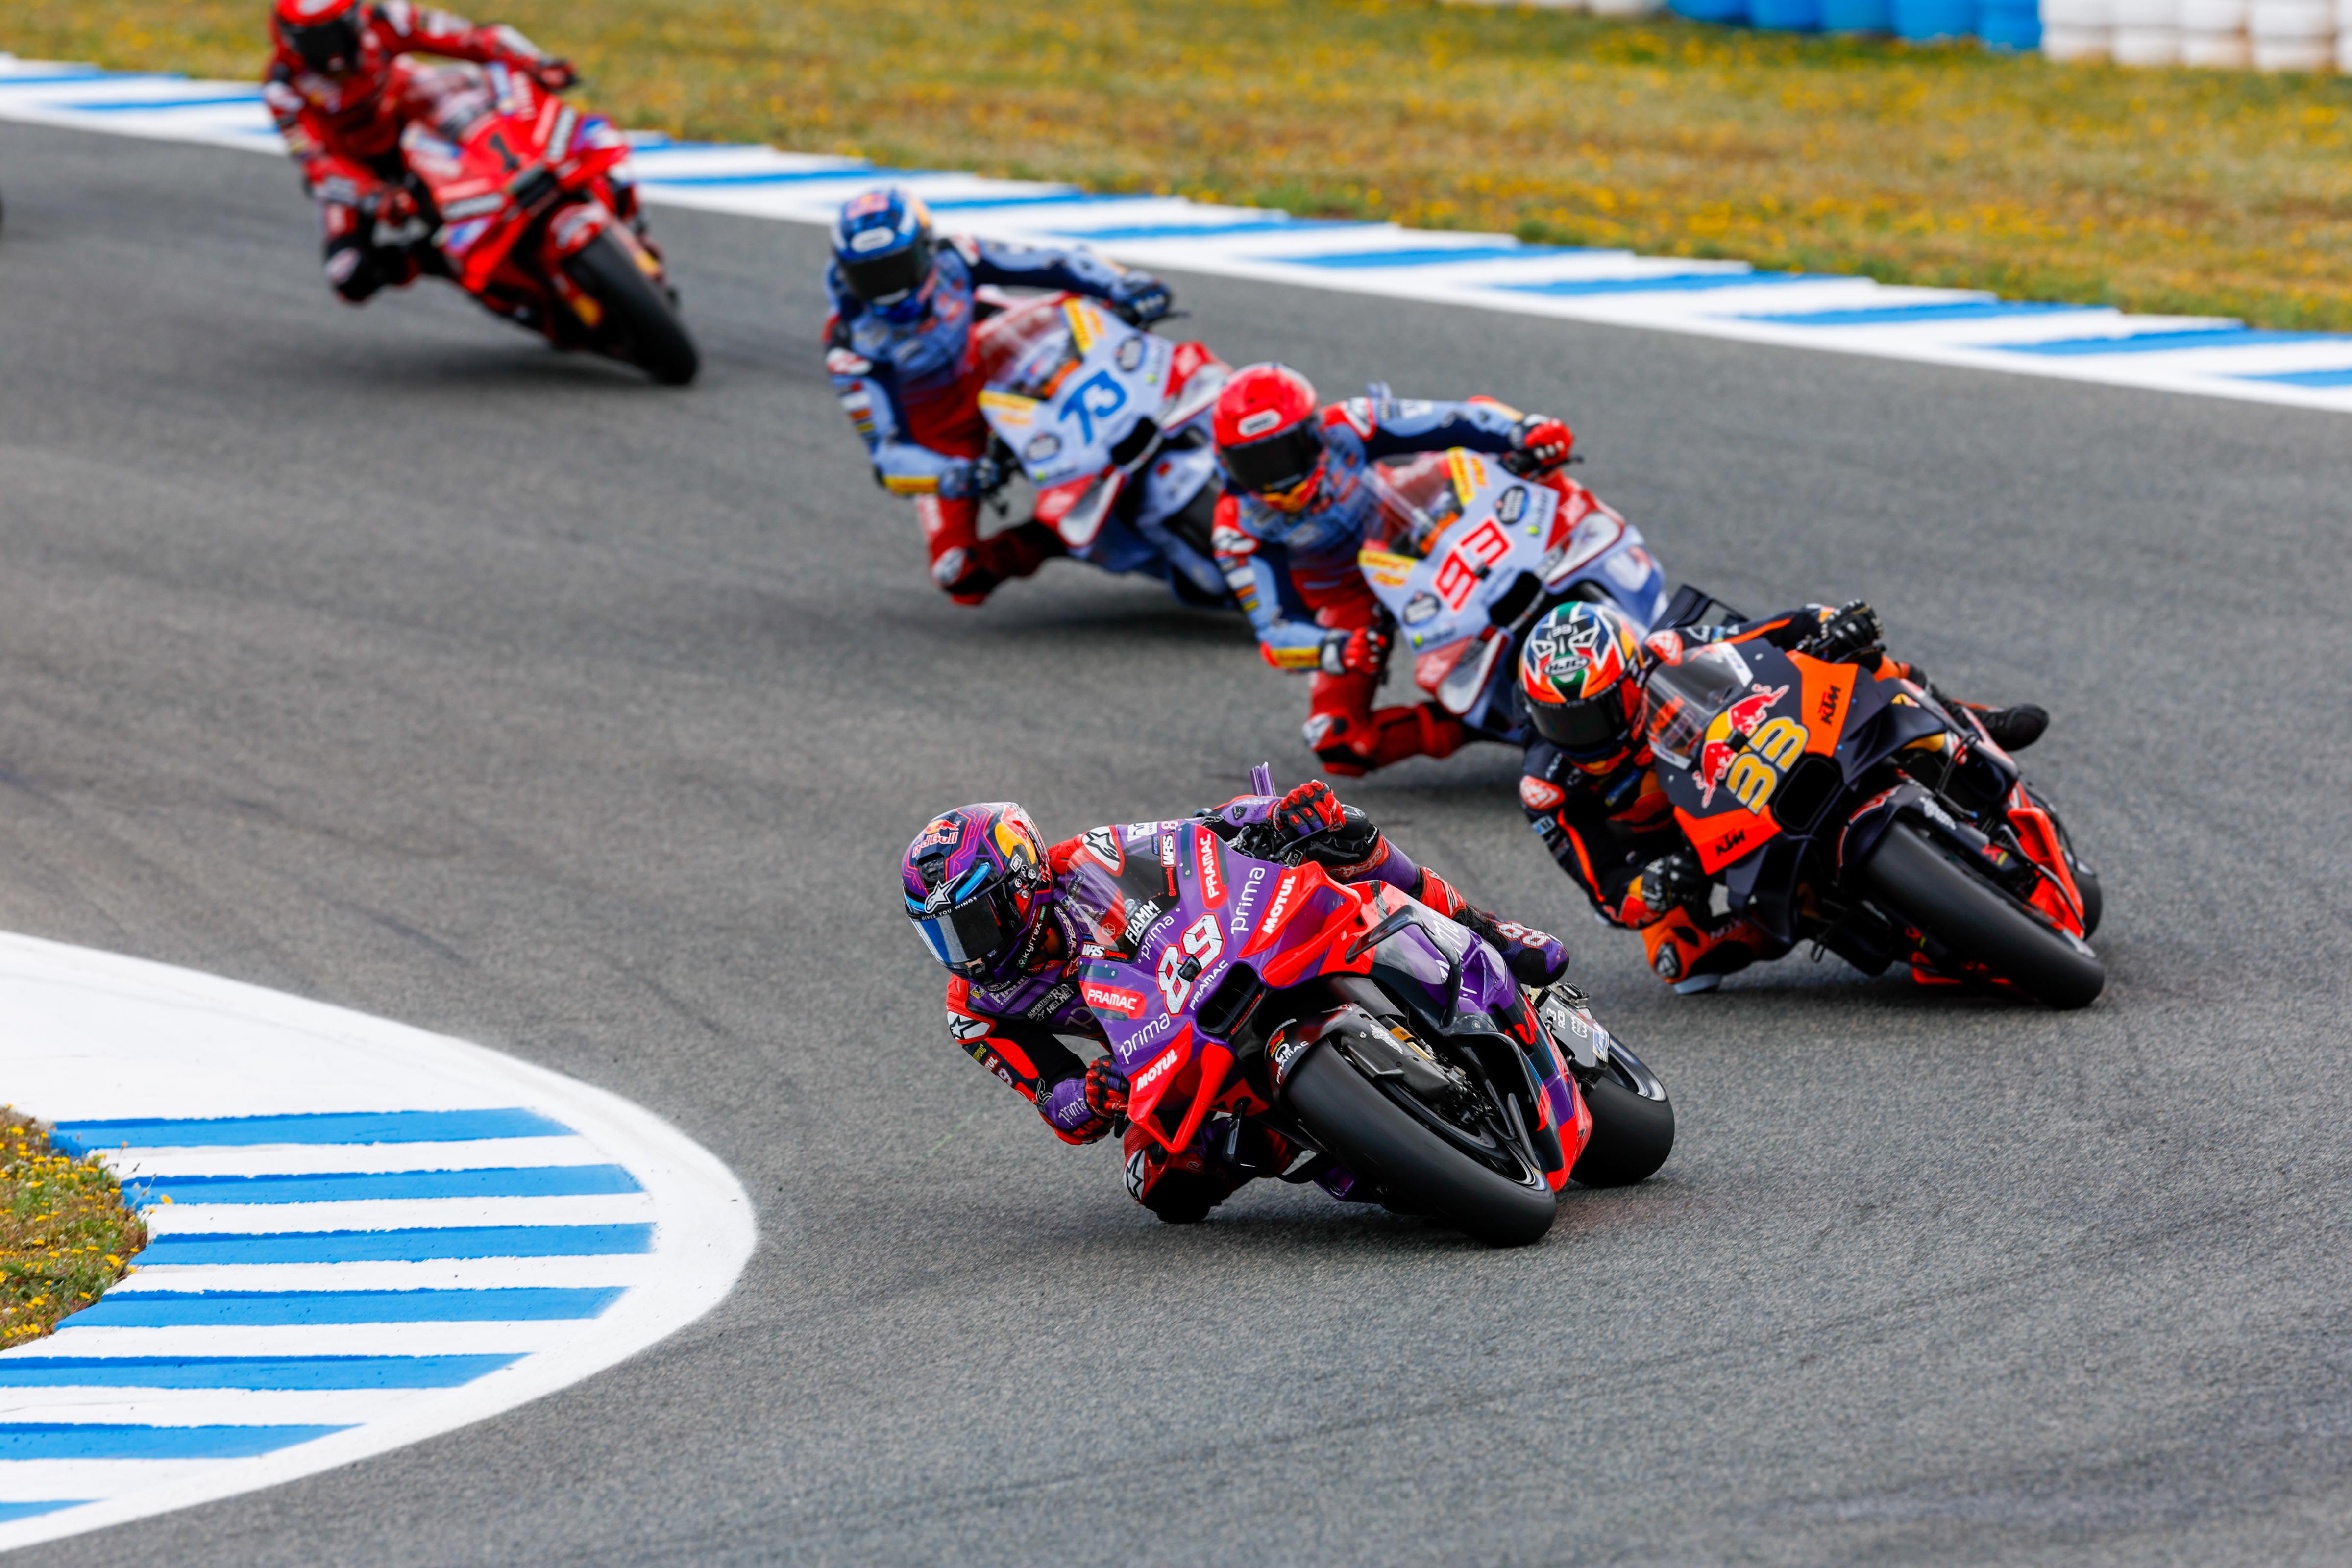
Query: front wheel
[
  {"x": 1384, "y": 1145},
  {"x": 1633, "y": 1123},
  {"x": 1929, "y": 887},
  {"x": 639, "y": 325}
]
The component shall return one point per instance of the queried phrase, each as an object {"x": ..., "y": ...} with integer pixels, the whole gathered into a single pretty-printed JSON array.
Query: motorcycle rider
[
  {"x": 898, "y": 346},
  {"x": 991, "y": 902},
  {"x": 330, "y": 87},
  {"x": 1589, "y": 792},
  {"x": 1297, "y": 499}
]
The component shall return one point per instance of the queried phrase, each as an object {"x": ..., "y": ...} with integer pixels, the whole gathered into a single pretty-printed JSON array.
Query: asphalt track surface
[{"x": 385, "y": 657}]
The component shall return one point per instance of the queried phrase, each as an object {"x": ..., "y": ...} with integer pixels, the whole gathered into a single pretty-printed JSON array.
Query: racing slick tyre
[
  {"x": 1632, "y": 1134},
  {"x": 1384, "y": 1144},
  {"x": 1930, "y": 886},
  {"x": 639, "y": 324}
]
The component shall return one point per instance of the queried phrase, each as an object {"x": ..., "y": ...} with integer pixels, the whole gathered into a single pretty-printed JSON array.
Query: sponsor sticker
[
  {"x": 1102, "y": 843},
  {"x": 1212, "y": 875},
  {"x": 1159, "y": 1069},
  {"x": 1537, "y": 795},
  {"x": 1115, "y": 1000},
  {"x": 1420, "y": 608}
]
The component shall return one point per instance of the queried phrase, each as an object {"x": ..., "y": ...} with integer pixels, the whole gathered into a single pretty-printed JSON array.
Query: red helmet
[
  {"x": 330, "y": 36},
  {"x": 1267, "y": 434}
]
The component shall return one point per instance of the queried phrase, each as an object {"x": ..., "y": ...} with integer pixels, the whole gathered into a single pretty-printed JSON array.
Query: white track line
[
  {"x": 1484, "y": 272},
  {"x": 387, "y": 1320}
]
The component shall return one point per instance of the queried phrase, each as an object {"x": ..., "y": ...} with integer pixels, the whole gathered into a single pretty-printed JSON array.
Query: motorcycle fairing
[
  {"x": 1508, "y": 545},
  {"x": 1796, "y": 706},
  {"x": 490, "y": 175},
  {"x": 1111, "y": 378}
]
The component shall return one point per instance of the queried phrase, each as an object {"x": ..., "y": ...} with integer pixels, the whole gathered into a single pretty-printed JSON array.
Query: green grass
[
  {"x": 2224, "y": 192},
  {"x": 65, "y": 1235}
]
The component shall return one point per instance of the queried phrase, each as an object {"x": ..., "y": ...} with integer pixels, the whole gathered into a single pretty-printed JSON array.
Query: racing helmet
[
  {"x": 882, "y": 247},
  {"x": 330, "y": 36},
  {"x": 1581, "y": 681},
  {"x": 1267, "y": 434},
  {"x": 975, "y": 881}
]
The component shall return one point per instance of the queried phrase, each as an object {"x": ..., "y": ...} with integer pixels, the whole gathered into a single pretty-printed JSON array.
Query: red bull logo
[{"x": 1740, "y": 721}]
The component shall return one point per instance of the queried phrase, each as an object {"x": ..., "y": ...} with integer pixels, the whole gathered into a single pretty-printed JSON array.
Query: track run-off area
[
  {"x": 385, "y": 658},
  {"x": 2209, "y": 355}
]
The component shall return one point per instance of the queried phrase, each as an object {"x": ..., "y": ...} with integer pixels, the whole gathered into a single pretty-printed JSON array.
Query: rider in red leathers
[
  {"x": 1298, "y": 497},
  {"x": 986, "y": 895},
  {"x": 340, "y": 105}
]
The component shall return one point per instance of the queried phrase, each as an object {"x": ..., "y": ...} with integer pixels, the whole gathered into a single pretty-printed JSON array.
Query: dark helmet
[
  {"x": 975, "y": 881},
  {"x": 329, "y": 35},
  {"x": 882, "y": 244},
  {"x": 1581, "y": 681}
]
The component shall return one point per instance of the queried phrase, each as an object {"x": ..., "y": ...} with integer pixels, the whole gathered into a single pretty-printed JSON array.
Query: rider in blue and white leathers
[
  {"x": 1298, "y": 513},
  {"x": 899, "y": 350}
]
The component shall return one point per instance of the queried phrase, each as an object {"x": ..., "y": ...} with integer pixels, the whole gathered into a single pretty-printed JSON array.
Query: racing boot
[
  {"x": 1692, "y": 955},
  {"x": 968, "y": 574},
  {"x": 1423, "y": 729},
  {"x": 1534, "y": 958},
  {"x": 2011, "y": 729}
]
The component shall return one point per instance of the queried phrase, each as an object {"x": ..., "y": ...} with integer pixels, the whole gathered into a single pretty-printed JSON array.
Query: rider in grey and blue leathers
[{"x": 899, "y": 349}]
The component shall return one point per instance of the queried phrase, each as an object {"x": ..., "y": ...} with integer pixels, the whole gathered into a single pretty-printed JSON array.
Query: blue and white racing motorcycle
[
  {"x": 1110, "y": 425},
  {"x": 1466, "y": 556}
]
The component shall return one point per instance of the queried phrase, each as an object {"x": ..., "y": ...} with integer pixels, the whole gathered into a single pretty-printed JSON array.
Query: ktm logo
[
  {"x": 1829, "y": 705},
  {"x": 1730, "y": 841}
]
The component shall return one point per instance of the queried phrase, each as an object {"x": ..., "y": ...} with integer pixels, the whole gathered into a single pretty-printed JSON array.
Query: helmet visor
[
  {"x": 886, "y": 279},
  {"x": 330, "y": 46},
  {"x": 969, "y": 937},
  {"x": 1279, "y": 464},
  {"x": 1582, "y": 728}
]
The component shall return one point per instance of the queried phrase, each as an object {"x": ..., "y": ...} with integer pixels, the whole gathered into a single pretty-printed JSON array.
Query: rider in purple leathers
[
  {"x": 986, "y": 895},
  {"x": 900, "y": 348}
]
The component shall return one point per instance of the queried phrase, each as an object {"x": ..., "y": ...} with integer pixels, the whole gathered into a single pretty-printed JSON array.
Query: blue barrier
[
  {"x": 2010, "y": 23},
  {"x": 1925, "y": 21},
  {"x": 1729, "y": 12},
  {"x": 1857, "y": 16},
  {"x": 1786, "y": 16}
]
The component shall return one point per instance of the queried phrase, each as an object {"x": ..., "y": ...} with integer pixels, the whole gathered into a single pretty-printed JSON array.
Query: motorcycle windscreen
[{"x": 1682, "y": 699}]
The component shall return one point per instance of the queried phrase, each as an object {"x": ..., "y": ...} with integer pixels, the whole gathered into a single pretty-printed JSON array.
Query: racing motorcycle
[
  {"x": 1238, "y": 980},
  {"x": 514, "y": 187},
  {"x": 1466, "y": 556},
  {"x": 1111, "y": 426},
  {"x": 1864, "y": 815}
]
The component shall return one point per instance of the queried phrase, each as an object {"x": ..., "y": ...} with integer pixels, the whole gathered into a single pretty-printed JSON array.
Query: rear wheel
[
  {"x": 639, "y": 325},
  {"x": 1931, "y": 887},
  {"x": 1389, "y": 1146}
]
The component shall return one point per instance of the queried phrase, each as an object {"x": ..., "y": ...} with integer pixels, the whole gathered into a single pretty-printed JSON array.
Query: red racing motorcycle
[
  {"x": 517, "y": 190},
  {"x": 1239, "y": 981}
]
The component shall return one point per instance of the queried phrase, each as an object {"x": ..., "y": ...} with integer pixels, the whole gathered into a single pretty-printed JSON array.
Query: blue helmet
[{"x": 882, "y": 246}]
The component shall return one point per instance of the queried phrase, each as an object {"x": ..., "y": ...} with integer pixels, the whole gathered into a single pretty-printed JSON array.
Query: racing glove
[
  {"x": 1141, "y": 299},
  {"x": 966, "y": 477},
  {"x": 1540, "y": 444},
  {"x": 1308, "y": 810},
  {"x": 1360, "y": 651},
  {"x": 1669, "y": 881},
  {"x": 1850, "y": 632},
  {"x": 1106, "y": 1089},
  {"x": 555, "y": 75}
]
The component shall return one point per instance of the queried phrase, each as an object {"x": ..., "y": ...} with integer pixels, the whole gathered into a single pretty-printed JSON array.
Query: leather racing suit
[
  {"x": 1312, "y": 550},
  {"x": 1011, "y": 1029},
  {"x": 913, "y": 392},
  {"x": 344, "y": 132},
  {"x": 1609, "y": 823}
]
